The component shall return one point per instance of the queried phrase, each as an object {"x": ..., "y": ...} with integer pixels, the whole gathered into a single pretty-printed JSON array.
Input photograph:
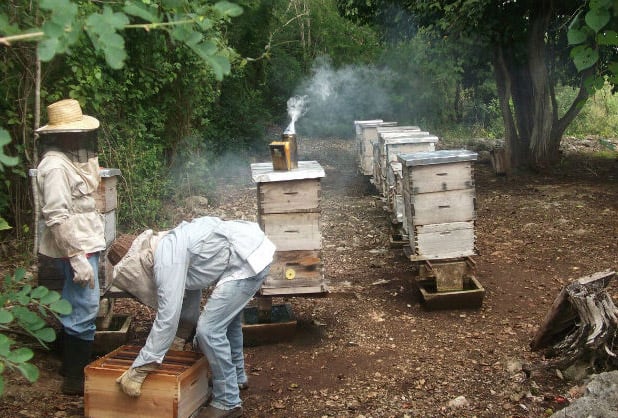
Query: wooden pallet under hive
[{"x": 175, "y": 390}]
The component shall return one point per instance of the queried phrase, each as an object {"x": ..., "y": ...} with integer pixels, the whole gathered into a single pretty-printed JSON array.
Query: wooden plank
[
  {"x": 293, "y": 231},
  {"x": 441, "y": 207},
  {"x": 289, "y": 196}
]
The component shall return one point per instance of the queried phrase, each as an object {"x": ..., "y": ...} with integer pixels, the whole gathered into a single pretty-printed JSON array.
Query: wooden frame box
[
  {"x": 295, "y": 273},
  {"x": 106, "y": 195},
  {"x": 176, "y": 390},
  {"x": 301, "y": 195},
  {"x": 293, "y": 231},
  {"x": 440, "y": 207},
  {"x": 441, "y": 241},
  {"x": 366, "y": 134}
]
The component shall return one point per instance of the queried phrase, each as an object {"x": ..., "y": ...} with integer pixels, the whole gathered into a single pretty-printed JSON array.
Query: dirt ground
[{"x": 370, "y": 348}]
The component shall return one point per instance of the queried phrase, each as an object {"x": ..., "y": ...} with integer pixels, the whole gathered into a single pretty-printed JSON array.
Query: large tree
[{"x": 526, "y": 43}]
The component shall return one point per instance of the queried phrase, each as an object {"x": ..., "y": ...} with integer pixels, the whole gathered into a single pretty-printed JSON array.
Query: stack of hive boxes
[
  {"x": 289, "y": 213},
  {"x": 440, "y": 205}
]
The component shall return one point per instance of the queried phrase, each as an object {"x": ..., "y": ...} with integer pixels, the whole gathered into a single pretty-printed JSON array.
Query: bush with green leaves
[{"x": 25, "y": 311}]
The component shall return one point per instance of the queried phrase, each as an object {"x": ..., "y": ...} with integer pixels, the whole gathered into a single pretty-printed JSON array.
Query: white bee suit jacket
[
  {"x": 68, "y": 207},
  {"x": 194, "y": 256}
]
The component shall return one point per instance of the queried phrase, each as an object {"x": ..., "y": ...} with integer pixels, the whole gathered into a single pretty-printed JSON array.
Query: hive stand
[
  {"x": 440, "y": 205},
  {"x": 289, "y": 214}
]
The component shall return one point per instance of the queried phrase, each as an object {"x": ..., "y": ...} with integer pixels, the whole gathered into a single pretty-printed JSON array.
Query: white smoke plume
[
  {"x": 297, "y": 106},
  {"x": 338, "y": 97}
]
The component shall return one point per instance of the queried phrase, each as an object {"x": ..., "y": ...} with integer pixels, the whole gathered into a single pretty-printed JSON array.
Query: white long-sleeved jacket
[
  {"x": 65, "y": 193},
  {"x": 194, "y": 256}
]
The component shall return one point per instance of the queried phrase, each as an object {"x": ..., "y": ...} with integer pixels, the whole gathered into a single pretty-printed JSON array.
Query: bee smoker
[{"x": 284, "y": 153}]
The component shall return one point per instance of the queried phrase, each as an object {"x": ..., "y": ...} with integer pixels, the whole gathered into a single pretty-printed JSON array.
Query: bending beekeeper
[
  {"x": 168, "y": 271},
  {"x": 73, "y": 230}
]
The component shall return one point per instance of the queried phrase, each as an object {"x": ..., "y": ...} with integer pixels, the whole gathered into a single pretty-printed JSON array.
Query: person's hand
[
  {"x": 132, "y": 380},
  {"x": 178, "y": 344},
  {"x": 83, "y": 274}
]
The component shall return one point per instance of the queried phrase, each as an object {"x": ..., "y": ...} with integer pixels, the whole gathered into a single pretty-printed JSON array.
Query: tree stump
[{"x": 582, "y": 324}]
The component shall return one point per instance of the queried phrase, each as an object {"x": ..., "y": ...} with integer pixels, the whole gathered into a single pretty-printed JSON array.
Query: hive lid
[
  {"x": 373, "y": 122},
  {"x": 396, "y": 128},
  {"x": 410, "y": 139},
  {"x": 264, "y": 172},
  {"x": 436, "y": 157}
]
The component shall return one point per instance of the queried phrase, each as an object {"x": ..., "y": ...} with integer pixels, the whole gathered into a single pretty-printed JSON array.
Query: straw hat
[{"x": 66, "y": 116}]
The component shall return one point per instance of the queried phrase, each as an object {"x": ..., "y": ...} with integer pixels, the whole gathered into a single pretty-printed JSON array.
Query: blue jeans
[
  {"x": 81, "y": 322},
  {"x": 219, "y": 336}
]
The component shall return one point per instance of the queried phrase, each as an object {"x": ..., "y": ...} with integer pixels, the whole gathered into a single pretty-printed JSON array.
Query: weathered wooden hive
[
  {"x": 439, "y": 203},
  {"x": 289, "y": 213},
  {"x": 366, "y": 134},
  {"x": 175, "y": 390},
  {"x": 392, "y": 144}
]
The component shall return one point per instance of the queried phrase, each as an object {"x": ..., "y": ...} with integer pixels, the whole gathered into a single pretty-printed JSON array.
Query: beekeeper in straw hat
[
  {"x": 168, "y": 271},
  {"x": 73, "y": 231}
]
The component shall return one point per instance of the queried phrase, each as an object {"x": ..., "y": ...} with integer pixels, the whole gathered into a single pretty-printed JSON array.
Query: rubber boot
[{"x": 76, "y": 356}]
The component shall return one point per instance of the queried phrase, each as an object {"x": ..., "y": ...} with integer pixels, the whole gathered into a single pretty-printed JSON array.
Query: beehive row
[{"x": 430, "y": 194}]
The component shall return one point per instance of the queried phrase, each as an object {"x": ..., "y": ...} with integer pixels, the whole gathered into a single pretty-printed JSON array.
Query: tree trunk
[{"x": 533, "y": 129}]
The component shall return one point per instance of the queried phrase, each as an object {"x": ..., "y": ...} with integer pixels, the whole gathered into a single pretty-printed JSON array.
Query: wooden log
[{"x": 582, "y": 323}]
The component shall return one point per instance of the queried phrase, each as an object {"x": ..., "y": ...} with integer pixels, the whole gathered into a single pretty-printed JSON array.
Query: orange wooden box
[{"x": 176, "y": 390}]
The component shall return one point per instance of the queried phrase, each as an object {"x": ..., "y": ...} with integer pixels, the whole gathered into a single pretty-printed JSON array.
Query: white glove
[
  {"x": 178, "y": 344},
  {"x": 83, "y": 274},
  {"x": 131, "y": 381}
]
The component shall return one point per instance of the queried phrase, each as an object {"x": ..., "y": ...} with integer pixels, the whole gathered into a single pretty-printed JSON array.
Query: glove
[
  {"x": 178, "y": 344},
  {"x": 131, "y": 381},
  {"x": 83, "y": 274}
]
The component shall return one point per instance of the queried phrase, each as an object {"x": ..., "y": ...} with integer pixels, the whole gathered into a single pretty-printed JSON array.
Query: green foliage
[
  {"x": 593, "y": 36},
  {"x": 25, "y": 310},
  {"x": 196, "y": 24},
  {"x": 599, "y": 115}
]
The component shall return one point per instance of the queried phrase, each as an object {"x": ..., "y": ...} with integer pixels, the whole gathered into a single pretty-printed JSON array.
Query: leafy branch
[
  {"x": 193, "y": 23},
  {"x": 25, "y": 310},
  {"x": 593, "y": 35}
]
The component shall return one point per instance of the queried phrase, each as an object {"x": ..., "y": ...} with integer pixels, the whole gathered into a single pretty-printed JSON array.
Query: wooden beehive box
[
  {"x": 439, "y": 203},
  {"x": 366, "y": 135},
  {"x": 176, "y": 390},
  {"x": 106, "y": 195},
  {"x": 289, "y": 213},
  {"x": 394, "y": 178},
  {"x": 392, "y": 144}
]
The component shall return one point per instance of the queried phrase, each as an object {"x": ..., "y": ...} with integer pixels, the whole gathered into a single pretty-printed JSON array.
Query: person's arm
[
  {"x": 170, "y": 270},
  {"x": 171, "y": 261}
]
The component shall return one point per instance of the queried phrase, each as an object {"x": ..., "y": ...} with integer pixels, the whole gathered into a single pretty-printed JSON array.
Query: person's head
[
  {"x": 70, "y": 131},
  {"x": 132, "y": 258}
]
